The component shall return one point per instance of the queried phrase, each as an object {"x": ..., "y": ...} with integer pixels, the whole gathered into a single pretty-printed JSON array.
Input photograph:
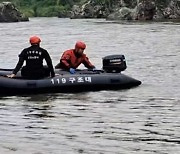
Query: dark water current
[{"x": 143, "y": 120}]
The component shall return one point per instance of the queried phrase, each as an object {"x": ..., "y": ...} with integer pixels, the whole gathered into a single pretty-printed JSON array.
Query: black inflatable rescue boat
[{"x": 109, "y": 78}]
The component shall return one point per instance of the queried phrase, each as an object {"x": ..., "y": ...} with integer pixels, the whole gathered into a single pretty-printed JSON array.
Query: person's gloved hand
[{"x": 72, "y": 70}]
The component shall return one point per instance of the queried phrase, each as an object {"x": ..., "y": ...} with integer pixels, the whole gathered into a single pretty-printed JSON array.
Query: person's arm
[
  {"x": 19, "y": 65},
  {"x": 87, "y": 63},
  {"x": 65, "y": 60},
  {"x": 17, "y": 68},
  {"x": 49, "y": 64}
]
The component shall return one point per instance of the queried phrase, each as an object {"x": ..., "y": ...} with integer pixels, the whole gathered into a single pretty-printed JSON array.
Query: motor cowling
[{"x": 114, "y": 63}]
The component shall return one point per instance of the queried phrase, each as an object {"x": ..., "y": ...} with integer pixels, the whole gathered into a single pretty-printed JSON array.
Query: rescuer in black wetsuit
[{"x": 34, "y": 56}]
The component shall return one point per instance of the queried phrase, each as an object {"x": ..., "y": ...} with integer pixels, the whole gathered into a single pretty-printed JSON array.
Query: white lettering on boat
[
  {"x": 88, "y": 79},
  {"x": 72, "y": 80},
  {"x": 63, "y": 80}
]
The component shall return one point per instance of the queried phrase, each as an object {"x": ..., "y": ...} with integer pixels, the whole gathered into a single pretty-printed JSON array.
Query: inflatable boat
[{"x": 109, "y": 78}]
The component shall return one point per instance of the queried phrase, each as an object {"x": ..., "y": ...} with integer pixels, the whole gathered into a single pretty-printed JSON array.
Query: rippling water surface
[{"x": 143, "y": 120}]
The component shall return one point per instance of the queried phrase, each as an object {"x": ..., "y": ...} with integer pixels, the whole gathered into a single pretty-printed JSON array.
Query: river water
[{"x": 143, "y": 120}]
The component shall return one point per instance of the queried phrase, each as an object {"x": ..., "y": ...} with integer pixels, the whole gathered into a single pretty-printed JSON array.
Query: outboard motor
[{"x": 114, "y": 63}]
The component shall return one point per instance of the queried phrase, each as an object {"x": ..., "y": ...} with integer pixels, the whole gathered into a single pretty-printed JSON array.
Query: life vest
[{"x": 70, "y": 60}]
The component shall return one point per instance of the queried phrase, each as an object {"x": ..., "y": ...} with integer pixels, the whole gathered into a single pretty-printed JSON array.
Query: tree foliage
[{"x": 43, "y": 7}]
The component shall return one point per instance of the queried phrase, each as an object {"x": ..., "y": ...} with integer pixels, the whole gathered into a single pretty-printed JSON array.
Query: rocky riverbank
[
  {"x": 129, "y": 10},
  {"x": 9, "y": 13},
  {"x": 108, "y": 9}
]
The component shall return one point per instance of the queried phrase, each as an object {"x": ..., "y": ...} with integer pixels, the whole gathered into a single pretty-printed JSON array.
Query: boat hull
[{"x": 65, "y": 82}]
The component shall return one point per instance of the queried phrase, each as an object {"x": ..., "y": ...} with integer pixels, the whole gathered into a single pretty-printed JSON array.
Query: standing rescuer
[
  {"x": 72, "y": 58},
  {"x": 34, "y": 56}
]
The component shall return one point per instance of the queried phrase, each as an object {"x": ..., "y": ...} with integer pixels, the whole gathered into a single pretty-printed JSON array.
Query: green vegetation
[{"x": 45, "y": 8}]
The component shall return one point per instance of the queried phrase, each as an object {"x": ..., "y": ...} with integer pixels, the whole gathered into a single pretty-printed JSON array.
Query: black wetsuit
[{"x": 34, "y": 68}]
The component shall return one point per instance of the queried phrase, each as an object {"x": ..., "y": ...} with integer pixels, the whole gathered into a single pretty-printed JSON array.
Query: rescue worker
[
  {"x": 34, "y": 56},
  {"x": 72, "y": 58}
]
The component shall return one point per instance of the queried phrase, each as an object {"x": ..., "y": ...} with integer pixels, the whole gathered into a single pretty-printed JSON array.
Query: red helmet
[
  {"x": 80, "y": 45},
  {"x": 34, "y": 40}
]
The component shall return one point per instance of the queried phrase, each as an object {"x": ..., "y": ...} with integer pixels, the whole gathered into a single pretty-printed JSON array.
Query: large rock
[
  {"x": 9, "y": 13},
  {"x": 171, "y": 10},
  {"x": 89, "y": 10},
  {"x": 145, "y": 10},
  {"x": 122, "y": 13}
]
